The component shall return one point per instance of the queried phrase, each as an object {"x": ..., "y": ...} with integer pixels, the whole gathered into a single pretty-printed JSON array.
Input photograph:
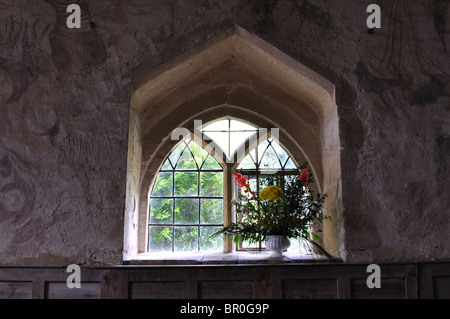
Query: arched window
[{"x": 187, "y": 204}]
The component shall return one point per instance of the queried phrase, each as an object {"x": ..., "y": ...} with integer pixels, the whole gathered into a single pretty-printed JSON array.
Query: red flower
[
  {"x": 241, "y": 180},
  {"x": 304, "y": 177}
]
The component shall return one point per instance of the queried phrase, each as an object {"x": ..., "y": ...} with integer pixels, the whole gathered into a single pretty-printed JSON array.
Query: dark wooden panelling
[
  {"x": 411, "y": 281},
  {"x": 59, "y": 290},
  {"x": 226, "y": 290},
  {"x": 15, "y": 290},
  {"x": 115, "y": 284},
  {"x": 40, "y": 283},
  {"x": 434, "y": 281},
  {"x": 341, "y": 281},
  {"x": 309, "y": 289},
  {"x": 391, "y": 288},
  {"x": 441, "y": 287},
  {"x": 157, "y": 290}
]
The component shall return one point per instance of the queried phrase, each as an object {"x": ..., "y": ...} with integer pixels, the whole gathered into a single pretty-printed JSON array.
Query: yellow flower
[{"x": 271, "y": 193}]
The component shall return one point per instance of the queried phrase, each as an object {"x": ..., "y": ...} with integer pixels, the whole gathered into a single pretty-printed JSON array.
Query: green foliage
[
  {"x": 186, "y": 184},
  {"x": 163, "y": 185},
  {"x": 161, "y": 211},
  {"x": 181, "y": 219},
  {"x": 211, "y": 184},
  {"x": 161, "y": 238}
]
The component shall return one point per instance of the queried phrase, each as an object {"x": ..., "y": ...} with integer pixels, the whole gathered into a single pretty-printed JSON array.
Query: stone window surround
[
  {"x": 235, "y": 74},
  {"x": 236, "y": 258}
]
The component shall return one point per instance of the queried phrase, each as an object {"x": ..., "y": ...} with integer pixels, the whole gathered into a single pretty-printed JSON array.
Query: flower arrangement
[{"x": 290, "y": 212}]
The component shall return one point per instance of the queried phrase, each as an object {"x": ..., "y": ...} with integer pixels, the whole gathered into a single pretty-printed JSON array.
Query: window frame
[
  {"x": 228, "y": 169},
  {"x": 258, "y": 173},
  {"x": 173, "y": 225}
]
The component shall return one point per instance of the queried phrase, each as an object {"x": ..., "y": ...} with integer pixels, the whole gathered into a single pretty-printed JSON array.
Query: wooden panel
[
  {"x": 157, "y": 290},
  {"x": 309, "y": 289},
  {"x": 15, "y": 290},
  {"x": 441, "y": 287},
  {"x": 115, "y": 284},
  {"x": 59, "y": 290},
  {"x": 226, "y": 290},
  {"x": 434, "y": 281},
  {"x": 153, "y": 274},
  {"x": 430, "y": 280},
  {"x": 411, "y": 282},
  {"x": 391, "y": 288}
]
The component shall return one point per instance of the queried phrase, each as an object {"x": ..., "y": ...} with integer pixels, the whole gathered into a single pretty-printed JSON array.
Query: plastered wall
[{"x": 65, "y": 101}]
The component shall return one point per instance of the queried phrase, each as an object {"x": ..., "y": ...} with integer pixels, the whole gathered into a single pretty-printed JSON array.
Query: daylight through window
[
  {"x": 187, "y": 200},
  {"x": 186, "y": 204}
]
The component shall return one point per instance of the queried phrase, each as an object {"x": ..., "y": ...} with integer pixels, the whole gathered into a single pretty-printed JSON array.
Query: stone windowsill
[{"x": 253, "y": 257}]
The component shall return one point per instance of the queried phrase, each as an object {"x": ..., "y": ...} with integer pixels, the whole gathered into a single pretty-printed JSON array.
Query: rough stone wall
[{"x": 64, "y": 112}]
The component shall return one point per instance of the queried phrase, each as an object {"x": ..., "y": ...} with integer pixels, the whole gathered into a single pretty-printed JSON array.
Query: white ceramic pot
[{"x": 277, "y": 245}]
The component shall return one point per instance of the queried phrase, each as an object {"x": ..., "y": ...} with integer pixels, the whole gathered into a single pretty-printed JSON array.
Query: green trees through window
[{"x": 186, "y": 204}]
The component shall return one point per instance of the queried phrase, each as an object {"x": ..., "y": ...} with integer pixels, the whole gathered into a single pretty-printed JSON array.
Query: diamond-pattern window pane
[
  {"x": 290, "y": 164},
  {"x": 247, "y": 163},
  {"x": 176, "y": 153},
  {"x": 270, "y": 159},
  {"x": 200, "y": 154},
  {"x": 211, "y": 164},
  {"x": 283, "y": 156},
  {"x": 167, "y": 165},
  {"x": 186, "y": 160}
]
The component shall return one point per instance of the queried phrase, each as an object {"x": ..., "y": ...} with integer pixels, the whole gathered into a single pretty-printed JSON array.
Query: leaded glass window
[
  {"x": 187, "y": 199},
  {"x": 268, "y": 160},
  {"x": 186, "y": 204},
  {"x": 229, "y": 134}
]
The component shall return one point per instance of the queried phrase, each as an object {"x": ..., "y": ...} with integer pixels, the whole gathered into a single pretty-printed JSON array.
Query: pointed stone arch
[{"x": 234, "y": 74}]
